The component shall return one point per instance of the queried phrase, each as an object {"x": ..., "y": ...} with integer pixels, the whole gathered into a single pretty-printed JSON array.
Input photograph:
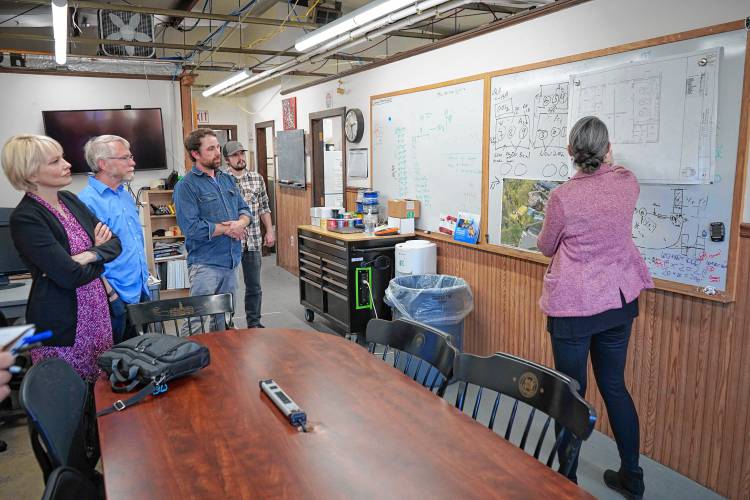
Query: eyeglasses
[{"x": 123, "y": 158}]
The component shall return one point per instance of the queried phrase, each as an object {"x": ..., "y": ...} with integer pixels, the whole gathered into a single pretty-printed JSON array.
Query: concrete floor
[{"x": 21, "y": 479}]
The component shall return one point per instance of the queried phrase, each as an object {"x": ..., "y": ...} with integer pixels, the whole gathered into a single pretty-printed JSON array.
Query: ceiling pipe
[
  {"x": 366, "y": 33},
  {"x": 173, "y": 46},
  {"x": 85, "y": 4},
  {"x": 326, "y": 49}
]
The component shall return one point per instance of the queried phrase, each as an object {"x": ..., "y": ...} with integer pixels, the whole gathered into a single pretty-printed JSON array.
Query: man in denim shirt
[
  {"x": 113, "y": 165},
  {"x": 213, "y": 216}
]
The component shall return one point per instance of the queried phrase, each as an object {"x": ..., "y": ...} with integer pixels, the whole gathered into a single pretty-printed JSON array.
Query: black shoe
[
  {"x": 257, "y": 326},
  {"x": 628, "y": 484}
]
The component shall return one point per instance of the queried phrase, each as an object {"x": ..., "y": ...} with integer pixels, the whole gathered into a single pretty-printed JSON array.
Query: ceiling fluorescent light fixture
[
  {"x": 355, "y": 19},
  {"x": 245, "y": 83},
  {"x": 232, "y": 80},
  {"x": 257, "y": 78},
  {"x": 60, "y": 29}
]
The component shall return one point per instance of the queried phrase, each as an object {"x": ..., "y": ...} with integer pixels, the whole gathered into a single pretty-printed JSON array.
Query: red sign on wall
[{"x": 289, "y": 113}]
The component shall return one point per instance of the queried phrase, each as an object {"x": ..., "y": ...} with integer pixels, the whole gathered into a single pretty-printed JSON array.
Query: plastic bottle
[{"x": 370, "y": 220}]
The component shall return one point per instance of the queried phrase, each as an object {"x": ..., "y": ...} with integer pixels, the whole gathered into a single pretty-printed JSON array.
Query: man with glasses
[{"x": 126, "y": 277}]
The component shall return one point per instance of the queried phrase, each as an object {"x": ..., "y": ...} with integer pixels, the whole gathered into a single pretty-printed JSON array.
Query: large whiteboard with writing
[
  {"x": 427, "y": 145},
  {"x": 661, "y": 114},
  {"x": 671, "y": 225}
]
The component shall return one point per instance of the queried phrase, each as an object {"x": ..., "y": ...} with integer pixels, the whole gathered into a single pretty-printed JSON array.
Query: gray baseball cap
[{"x": 232, "y": 147}]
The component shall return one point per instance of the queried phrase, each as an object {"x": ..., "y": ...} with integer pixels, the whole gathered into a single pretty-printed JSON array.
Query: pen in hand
[
  {"x": 32, "y": 342},
  {"x": 25, "y": 348},
  {"x": 15, "y": 369},
  {"x": 6, "y": 361}
]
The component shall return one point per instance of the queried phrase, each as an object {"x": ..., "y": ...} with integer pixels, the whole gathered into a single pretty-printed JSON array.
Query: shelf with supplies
[
  {"x": 157, "y": 260},
  {"x": 159, "y": 238},
  {"x": 165, "y": 247}
]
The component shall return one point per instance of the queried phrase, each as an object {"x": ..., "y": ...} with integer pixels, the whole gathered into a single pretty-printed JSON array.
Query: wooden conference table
[{"x": 373, "y": 432}]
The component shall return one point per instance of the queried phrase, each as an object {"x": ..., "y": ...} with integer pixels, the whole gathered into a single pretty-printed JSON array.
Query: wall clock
[{"x": 354, "y": 125}]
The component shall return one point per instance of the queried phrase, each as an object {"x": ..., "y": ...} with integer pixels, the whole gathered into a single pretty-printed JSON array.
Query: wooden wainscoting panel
[
  {"x": 351, "y": 199},
  {"x": 292, "y": 210},
  {"x": 686, "y": 365}
]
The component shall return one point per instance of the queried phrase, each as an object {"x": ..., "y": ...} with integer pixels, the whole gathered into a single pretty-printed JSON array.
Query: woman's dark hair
[{"x": 589, "y": 143}]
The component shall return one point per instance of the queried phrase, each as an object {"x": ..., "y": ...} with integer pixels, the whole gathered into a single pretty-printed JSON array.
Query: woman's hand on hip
[{"x": 102, "y": 234}]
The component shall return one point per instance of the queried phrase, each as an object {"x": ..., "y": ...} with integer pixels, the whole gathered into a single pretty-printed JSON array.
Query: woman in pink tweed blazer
[{"x": 592, "y": 283}]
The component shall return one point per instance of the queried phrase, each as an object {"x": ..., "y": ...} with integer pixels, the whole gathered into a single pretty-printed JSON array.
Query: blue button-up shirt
[
  {"x": 128, "y": 273},
  {"x": 202, "y": 202}
]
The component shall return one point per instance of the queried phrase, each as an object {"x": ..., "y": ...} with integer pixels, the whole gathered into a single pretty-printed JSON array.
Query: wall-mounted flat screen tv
[{"x": 142, "y": 127}]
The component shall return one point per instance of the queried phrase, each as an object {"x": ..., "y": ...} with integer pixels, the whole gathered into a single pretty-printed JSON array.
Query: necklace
[{"x": 60, "y": 210}]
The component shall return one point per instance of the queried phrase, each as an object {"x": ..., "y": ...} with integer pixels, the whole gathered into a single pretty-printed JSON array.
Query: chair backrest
[
  {"x": 53, "y": 396},
  {"x": 543, "y": 389},
  {"x": 66, "y": 483},
  {"x": 431, "y": 348},
  {"x": 146, "y": 315}
]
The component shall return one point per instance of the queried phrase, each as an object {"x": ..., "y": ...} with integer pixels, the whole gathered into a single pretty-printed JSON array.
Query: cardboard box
[
  {"x": 403, "y": 209},
  {"x": 405, "y": 226}
]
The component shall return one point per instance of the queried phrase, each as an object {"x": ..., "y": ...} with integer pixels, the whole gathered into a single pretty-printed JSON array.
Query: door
[
  {"x": 224, "y": 133},
  {"x": 264, "y": 133},
  {"x": 328, "y": 157}
]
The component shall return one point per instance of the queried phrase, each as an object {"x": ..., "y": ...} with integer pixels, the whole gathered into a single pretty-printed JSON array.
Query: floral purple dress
[{"x": 94, "y": 327}]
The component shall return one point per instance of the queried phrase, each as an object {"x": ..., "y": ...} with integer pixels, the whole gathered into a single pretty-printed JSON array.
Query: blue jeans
[
  {"x": 209, "y": 280},
  {"x": 609, "y": 351},
  {"x": 251, "y": 261},
  {"x": 122, "y": 328}
]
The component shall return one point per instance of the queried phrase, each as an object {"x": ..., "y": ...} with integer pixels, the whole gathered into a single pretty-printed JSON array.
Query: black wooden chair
[
  {"x": 544, "y": 390},
  {"x": 203, "y": 310},
  {"x": 54, "y": 398},
  {"x": 427, "y": 353},
  {"x": 66, "y": 483}
]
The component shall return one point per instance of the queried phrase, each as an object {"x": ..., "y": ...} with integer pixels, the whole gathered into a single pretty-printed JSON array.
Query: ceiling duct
[{"x": 75, "y": 64}]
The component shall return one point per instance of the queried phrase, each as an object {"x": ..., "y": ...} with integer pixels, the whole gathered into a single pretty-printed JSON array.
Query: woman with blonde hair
[{"x": 65, "y": 247}]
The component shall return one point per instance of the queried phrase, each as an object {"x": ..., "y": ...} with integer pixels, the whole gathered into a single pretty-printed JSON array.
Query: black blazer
[{"x": 43, "y": 244}]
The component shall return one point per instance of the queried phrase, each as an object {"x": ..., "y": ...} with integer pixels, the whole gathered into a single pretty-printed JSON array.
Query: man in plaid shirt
[{"x": 253, "y": 189}]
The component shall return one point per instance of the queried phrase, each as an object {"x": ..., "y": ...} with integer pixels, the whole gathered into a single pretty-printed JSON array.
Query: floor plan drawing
[{"x": 660, "y": 114}]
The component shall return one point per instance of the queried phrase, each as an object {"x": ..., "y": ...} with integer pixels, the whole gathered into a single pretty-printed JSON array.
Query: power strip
[{"x": 283, "y": 402}]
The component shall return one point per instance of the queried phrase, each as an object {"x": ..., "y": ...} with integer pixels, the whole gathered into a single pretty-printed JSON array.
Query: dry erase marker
[
  {"x": 39, "y": 337},
  {"x": 25, "y": 348}
]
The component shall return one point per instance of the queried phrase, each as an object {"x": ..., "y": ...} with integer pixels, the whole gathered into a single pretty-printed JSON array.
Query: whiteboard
[
  {"x": 671, "y": 221},
  {"x": 427, "y": 145},
  {"x": 654, "y": 109}
]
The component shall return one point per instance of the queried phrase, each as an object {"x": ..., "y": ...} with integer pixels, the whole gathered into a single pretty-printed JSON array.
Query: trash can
[{"x": 437, "y": 300}]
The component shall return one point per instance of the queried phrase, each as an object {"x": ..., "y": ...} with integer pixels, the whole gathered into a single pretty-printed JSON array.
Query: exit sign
[{"x": 201, "y": 116}]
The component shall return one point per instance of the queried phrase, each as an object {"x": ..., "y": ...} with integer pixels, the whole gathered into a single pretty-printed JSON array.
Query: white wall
[
  {"x": 590, "y": 26},
  {"x": 225, "y": 111},
  {"x": 28, "y": 95}
]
